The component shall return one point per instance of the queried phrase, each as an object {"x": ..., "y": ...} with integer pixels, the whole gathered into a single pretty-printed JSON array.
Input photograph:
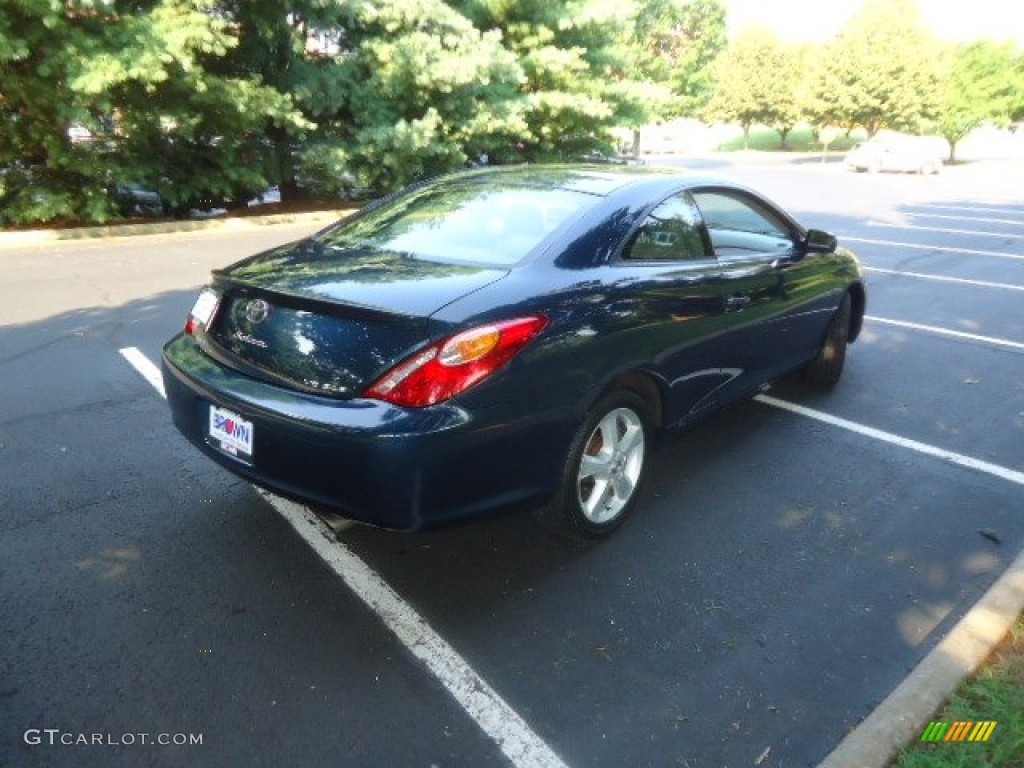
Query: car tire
[
  {"x": 826, "y": 369},
  {"x": 604, "y": 468}
]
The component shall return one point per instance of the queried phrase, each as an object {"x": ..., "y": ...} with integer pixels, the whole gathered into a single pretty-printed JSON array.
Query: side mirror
[{"x": 819, "y": 241}]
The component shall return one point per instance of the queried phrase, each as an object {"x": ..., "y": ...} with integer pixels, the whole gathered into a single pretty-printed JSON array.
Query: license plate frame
[{"x": 230, "y": 433}]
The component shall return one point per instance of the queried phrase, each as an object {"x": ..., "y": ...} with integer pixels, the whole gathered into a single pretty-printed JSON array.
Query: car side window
[
  {"x": 671, "y": 232},
  {"x": 740, "y": 226}
]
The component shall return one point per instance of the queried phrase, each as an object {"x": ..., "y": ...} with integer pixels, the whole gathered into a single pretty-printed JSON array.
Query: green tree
[
  {"x": 134, "y": 76},
  {"x": 791, "y": 102},
  {"x": 1016, "y": 102},
  {"x": 426, "y": 92},
  {"x": 287, "y": 47},
  {"x": 978, "y": 86},
  {"x": 391, "y": 91},
  {"x": 44, "y": 174},
  {"x": 578, "y": 63},
  {"x": 675, "y": 43},
  {"x": 700, "y": 40},
  {"x": 880, "y": 72},
  {"x": 680, "y": 40},
  {"x": 757, "y": 81}
]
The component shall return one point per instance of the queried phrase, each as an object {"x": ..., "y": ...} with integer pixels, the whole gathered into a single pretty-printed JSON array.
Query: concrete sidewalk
[{"x": 236, "y": 223}]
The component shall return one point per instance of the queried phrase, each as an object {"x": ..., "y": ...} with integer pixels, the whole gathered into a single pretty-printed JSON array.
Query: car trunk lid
[{"x": 330, "y": 320}]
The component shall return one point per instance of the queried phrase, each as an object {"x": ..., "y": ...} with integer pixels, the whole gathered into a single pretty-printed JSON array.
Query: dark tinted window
[
  {"x": 483, "y": 223},
  {"x": 669, "y": 233}
]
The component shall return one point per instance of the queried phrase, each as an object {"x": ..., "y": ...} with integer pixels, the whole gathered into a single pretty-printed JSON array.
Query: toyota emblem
[{"x": 256, "y": 311}]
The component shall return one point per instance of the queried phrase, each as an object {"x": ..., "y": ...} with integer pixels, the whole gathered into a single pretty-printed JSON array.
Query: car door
[
  {"x": 667, "y": 288},
  {"x": 757, "y": 249}
]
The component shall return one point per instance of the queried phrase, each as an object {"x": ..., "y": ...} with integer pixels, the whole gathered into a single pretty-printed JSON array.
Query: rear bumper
[{"x": 405, "y": 469}]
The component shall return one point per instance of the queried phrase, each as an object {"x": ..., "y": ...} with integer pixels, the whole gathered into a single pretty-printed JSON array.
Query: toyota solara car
[{"x": 505, "y": 339}]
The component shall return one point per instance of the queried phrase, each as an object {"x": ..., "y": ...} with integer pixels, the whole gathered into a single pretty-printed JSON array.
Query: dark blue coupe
[{"x": 505, "y": 339}]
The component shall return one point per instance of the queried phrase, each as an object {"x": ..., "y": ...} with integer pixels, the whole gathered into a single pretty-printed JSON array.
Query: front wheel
[
  {"x": 603, "y": 469},
  {"x": 826, "y": 369}
]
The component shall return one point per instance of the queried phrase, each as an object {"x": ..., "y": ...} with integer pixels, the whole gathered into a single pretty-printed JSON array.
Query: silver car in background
[{"x": 907, "y": 155}]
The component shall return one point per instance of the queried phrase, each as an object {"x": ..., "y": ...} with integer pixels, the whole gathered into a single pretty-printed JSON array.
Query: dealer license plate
[{"x": 231, "y": 433}]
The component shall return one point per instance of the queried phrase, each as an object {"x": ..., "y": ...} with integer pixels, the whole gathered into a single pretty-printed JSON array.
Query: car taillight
[
  {"x": 454, "y": 364},
  {"x": 203, "y": 310}
]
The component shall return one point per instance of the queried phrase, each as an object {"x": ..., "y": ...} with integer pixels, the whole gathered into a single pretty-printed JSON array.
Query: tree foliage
[
  {"x": 678, "y": 42},
  {"x": 757, "y": 81},
  {"x": 212, "y": 100},
  {"x": 425, "y": 92},
  {"x": 791, "y": 84},
  {"x": 578, "y": 61},
  {"x": 1015, "y": 107},
  {"x": 880, "y": 72},
  {"x": 134, "y": 76},
  {"x": 977, "y": 86}
]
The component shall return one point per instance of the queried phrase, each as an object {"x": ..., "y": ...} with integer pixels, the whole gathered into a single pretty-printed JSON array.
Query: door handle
[{"x": 736, "y": 302}]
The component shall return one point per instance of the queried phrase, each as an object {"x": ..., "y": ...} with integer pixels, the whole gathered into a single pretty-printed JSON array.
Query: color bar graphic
[
  {"x": 982, "y": 730},
  {"x": 958, "y": 730}
]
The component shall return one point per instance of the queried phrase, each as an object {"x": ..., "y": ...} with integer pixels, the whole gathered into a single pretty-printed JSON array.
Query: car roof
[{"x": 599, "y": 180}]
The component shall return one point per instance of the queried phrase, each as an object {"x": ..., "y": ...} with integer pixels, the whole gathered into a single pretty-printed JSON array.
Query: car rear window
[{"x": 475, "y": 223}]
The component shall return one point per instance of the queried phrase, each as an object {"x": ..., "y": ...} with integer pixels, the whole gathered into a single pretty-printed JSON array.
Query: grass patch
[
  {"x": 995, "y": 692},
  {"x": 800, "y": 139}
]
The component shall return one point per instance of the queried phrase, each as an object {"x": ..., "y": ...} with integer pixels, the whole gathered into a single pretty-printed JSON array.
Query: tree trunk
[
  {"x": 636, "y": 142},
  {"x": 746, "y": 135},
  {"x": 952, "y": 150},
  {"x": 289, "y": 191}
]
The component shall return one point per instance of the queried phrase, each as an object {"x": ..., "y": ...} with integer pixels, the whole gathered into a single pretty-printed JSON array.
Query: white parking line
[
  {"x": 491, "y": 712},
  {"x": 945, "y": 279},
  {"x": 969, "y": 208},
  {"x": 142, "y": 364},
  {"x": 947, "y": 332},
  {"x": 944, "y": 230},
  {"x": 923, "y": 247},
  {"x": 959, "y": 459},
  {"x": 523, "y": 747},
  {"x": 985, "y": 219}
]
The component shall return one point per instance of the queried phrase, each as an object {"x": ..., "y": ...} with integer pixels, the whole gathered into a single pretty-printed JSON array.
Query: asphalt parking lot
[{"x": 789, "y": 564}]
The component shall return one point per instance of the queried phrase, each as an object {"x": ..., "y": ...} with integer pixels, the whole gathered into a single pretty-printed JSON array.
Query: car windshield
[{"x": 473, "y": 222}]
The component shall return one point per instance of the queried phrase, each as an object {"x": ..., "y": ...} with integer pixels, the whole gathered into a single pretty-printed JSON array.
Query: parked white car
[{"x": 887, "y": 155}]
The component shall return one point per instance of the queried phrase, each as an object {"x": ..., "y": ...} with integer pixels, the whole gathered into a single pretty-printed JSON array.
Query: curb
[
  {"x": 239, "y": 223},
  {"x": 900, "y": 719}
]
